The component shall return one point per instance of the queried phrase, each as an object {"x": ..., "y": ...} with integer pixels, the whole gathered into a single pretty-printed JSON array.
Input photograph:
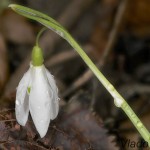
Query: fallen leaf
[
  {"x": 137, "y": 18},
  {"x": 3, "y": 63},
  {"x": 79, "y": 128}
]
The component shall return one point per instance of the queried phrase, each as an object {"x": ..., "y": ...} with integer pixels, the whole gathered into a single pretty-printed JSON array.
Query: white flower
[{"x": 37, "y": 93}]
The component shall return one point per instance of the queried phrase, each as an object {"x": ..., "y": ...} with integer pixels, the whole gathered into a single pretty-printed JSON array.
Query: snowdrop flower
[{"x": 37, "y": 93}]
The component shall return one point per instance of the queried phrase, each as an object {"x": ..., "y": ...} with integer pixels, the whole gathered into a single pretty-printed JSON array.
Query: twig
[
  {"x": 65, "y": 56},
  {"x": 5, "y": 110},
  {"x": 60, "y": 131},
  {"x": 87, "y": 75},
  {"x": 132, "y": 88},
  {"x": 7, "y": 120},
  {"x": 14, "y": 141}
]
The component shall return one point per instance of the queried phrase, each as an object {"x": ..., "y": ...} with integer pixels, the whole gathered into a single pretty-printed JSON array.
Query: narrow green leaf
[{"x": 27, "y": 12}]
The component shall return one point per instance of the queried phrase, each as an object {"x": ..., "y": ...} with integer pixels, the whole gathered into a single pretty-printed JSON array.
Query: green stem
[
  {"x": 37, "y": 55},
  {"x": 118, "y": 99},
  {"x": 136, "y": 121},
  {"x": 39, "y": 34}
]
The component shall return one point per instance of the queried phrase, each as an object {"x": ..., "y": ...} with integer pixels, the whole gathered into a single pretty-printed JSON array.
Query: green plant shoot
[{"x": 119, "y": 101}]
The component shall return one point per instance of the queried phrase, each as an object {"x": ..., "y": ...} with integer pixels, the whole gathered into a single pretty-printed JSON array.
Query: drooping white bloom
[{"x": 37, "y": 93}]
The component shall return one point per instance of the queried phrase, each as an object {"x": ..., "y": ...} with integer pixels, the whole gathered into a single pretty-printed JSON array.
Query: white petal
[
  {"x": 40, "y": 100},
  {"x": 55, "y": 99},
  {"x": 22, "y": 101}
]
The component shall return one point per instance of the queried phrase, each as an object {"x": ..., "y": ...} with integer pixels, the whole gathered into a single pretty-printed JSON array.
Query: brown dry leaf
[
  {"x": 16, "y": 28},
  {"x": 99, "y": 39},
  {"x": 78, "y": 128},
  {"x": 4, "y": 125},
  {"x": 138, "y": 20},
  {"x": 3, "y": 63},
  {"x": 3, "y": 132}
]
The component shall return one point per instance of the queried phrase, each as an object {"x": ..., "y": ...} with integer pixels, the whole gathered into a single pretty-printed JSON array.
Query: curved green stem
[
  {"x": 39, "y": 34},
  {"x": 56, "y": 27}
]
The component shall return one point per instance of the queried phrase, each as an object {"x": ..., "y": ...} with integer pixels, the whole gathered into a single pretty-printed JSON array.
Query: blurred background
[{"x": 116, "y": 36}]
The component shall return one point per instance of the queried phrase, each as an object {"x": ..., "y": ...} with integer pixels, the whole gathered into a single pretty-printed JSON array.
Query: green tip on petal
[
  {"x": 29, "y": 90},
  {"x": 37, "y": 56}
]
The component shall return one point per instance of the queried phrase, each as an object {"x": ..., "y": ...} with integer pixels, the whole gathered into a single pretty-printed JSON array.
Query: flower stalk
[{"x": 119, "y": 101}]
